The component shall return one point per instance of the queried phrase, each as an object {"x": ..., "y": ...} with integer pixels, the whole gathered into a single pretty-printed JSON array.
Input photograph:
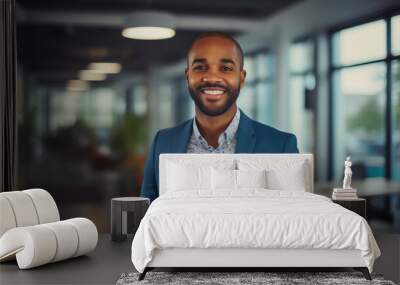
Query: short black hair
[{"x": 219, "y": 35}]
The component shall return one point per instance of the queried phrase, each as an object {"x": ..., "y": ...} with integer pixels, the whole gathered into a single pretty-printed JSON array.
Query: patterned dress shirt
[{"x": 226, "y": 140}]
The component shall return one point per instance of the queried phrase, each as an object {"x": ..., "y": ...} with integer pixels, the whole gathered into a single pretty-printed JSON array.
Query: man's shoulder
[
  {"x": 263, "y": 130},
  {"x": 273, "y": 140}
]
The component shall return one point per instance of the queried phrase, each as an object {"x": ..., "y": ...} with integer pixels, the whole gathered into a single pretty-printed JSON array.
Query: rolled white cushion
[
  {"x": 87, "y": 235},
  {"x": 7, "y": 218},
  {"x": 45, "y": 205},
  {"x": 23, "y": 208},
  {"x": 37, "y": 245},
  {"x": 67, "y": 239},
  {"x": 33, "y": 246}
]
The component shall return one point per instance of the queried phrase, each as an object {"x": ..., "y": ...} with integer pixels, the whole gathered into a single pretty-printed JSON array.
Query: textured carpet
[{"x": 225, "y": 278}]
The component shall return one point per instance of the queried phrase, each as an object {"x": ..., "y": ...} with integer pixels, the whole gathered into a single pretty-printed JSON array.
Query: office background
[{"x": 327, "y": 71}]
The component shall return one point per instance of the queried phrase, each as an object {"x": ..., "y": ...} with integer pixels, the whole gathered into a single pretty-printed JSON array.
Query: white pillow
[
  {"x": 251, "y": 178},
  {"x": 193, "y": 174},
  {"x": 236, "y": 179},
  {"x": 280, "y": 174},
  {"x": 293, "y": 180},
  {"x": 223, "y": 179},
  {"x": 183, "y": 178}
]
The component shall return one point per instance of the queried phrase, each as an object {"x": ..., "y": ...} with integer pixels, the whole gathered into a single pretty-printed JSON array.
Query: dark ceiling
[
  {"x": 56, "y": 52},
  {"x": 238, "y": 8}
]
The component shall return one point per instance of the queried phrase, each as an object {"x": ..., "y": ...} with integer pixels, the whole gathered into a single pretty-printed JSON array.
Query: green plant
[
  {"x": 369, "y": 118},
  {"x": 128, "y": 135}
]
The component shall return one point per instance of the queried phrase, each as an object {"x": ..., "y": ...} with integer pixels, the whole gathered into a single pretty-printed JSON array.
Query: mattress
[{"x": 250, "y": 219}]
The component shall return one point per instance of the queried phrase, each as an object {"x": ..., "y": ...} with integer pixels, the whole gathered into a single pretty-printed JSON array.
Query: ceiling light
[
  {"x": 89, "y": 75},
  {"x": 149, "y": 26},
  {"x": 105, "y": 67},
  {"x": 77, "y": 85}
]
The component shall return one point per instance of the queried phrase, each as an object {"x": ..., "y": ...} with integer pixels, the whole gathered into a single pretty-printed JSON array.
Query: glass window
[
  {"x": 104, "y": 107},
  {"x": 264, "y": 103},
  {"x": 301, "y": 56},
  {"x": 249, "y": 66},
  {"x": 263, "y": 65},
  {"x": 246, "y": 100},
  {"x": 301, "y": 113},
  {"x": 396, "y": 120},
  {"x": 302, "y": 93},
  {"x": 64, "y": 109},
  {"x": 360, "y": 43},
  {"x": 87, "y": 111},
  {"x": 186, "y": 109},
  {"x": 359, "y": 117},
  {"x": 396, "y": 35},
  {"x": 97, "y": 107},
  {"x": 256, "y": 96},
  {"x": 166, "y": 116},
  {"x": 139, "y": 101}
]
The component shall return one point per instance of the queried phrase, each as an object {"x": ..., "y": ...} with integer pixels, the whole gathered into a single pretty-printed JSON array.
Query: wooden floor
[{"x": 111, "y": 259}]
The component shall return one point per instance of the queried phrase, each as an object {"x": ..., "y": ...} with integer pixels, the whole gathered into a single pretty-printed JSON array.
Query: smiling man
[{"x": 214, "y": 75}]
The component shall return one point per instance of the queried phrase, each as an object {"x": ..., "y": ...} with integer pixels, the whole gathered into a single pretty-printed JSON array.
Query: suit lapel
[
  {"x": 182, "y": 138},
  {"x": 245, "y": 136}
]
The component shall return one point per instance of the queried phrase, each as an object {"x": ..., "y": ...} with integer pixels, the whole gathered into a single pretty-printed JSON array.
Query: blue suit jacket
[{"x": 251, "y": 137}]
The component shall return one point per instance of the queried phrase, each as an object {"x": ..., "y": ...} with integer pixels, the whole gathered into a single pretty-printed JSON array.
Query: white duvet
[{"x": 251, "y": 218}]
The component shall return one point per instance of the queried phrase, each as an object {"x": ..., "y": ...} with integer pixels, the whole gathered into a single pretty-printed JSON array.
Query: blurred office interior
[{"x": 90, "y": 99}]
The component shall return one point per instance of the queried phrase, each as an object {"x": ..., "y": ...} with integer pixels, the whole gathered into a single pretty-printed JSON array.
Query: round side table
[{"x": 126, "y": 214}]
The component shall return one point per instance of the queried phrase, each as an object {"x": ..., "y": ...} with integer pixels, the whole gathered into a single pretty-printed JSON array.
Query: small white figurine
[{"x": 347, "y": 174}]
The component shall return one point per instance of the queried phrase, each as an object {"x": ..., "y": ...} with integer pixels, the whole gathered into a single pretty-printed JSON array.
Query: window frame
[
  {"x": 253, "y": 84},
  {"x": 313, "y": 38},
  {"x": 388, "y": 59}
]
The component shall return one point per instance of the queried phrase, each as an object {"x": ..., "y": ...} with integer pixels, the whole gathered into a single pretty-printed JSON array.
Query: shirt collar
[{"x": 229, "y": 132}]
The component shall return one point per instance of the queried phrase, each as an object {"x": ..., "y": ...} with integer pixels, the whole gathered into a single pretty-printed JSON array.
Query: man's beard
[{"x": 231, "y": 93}]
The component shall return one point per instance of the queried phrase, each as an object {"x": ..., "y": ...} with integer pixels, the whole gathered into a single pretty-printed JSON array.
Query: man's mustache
[{"x": 208, "y": 85}]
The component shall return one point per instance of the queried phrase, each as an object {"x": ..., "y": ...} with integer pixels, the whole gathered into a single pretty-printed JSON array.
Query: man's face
[{"x": 213, "y": 75}]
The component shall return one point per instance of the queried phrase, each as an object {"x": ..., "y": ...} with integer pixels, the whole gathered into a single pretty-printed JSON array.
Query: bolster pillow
[
  {"x": 40, "y": 244},
  {"x": 26, "y": 208}
]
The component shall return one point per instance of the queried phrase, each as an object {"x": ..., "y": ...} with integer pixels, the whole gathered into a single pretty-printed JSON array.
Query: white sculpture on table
[
  {"x": 346, "y": 192},
  {"x": 347, "y": 174}
]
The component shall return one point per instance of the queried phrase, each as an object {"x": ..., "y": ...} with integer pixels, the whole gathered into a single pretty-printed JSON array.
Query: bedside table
[
  {"x": 126, "y": 214},
  {"x": 358, "y": 206}
]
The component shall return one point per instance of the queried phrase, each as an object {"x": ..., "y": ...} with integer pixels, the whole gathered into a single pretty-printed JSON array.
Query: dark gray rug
[{"x": 269, "y": 278}]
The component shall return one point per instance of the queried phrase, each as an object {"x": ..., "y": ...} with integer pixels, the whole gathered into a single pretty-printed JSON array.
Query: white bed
[{"x": 200, "y": 223}]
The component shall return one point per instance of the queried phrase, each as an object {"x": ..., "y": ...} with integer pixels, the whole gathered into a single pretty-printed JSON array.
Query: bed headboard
[{"x": 211, "y": 159}]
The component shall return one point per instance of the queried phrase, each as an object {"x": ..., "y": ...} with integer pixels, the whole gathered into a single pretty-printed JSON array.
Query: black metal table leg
[
  {"x": 364, "y": 271},
  {"x": 143, "y": 274},
  {"x": 116, "y": 221}
]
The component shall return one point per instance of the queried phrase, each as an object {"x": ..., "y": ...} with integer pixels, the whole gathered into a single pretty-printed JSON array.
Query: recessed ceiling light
[
  {"x": 105, "y": 67},
  {"x": 149, "y": 26},
  {"x": 89, "y": 75},
  {"x": 77, "y": 85}
]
